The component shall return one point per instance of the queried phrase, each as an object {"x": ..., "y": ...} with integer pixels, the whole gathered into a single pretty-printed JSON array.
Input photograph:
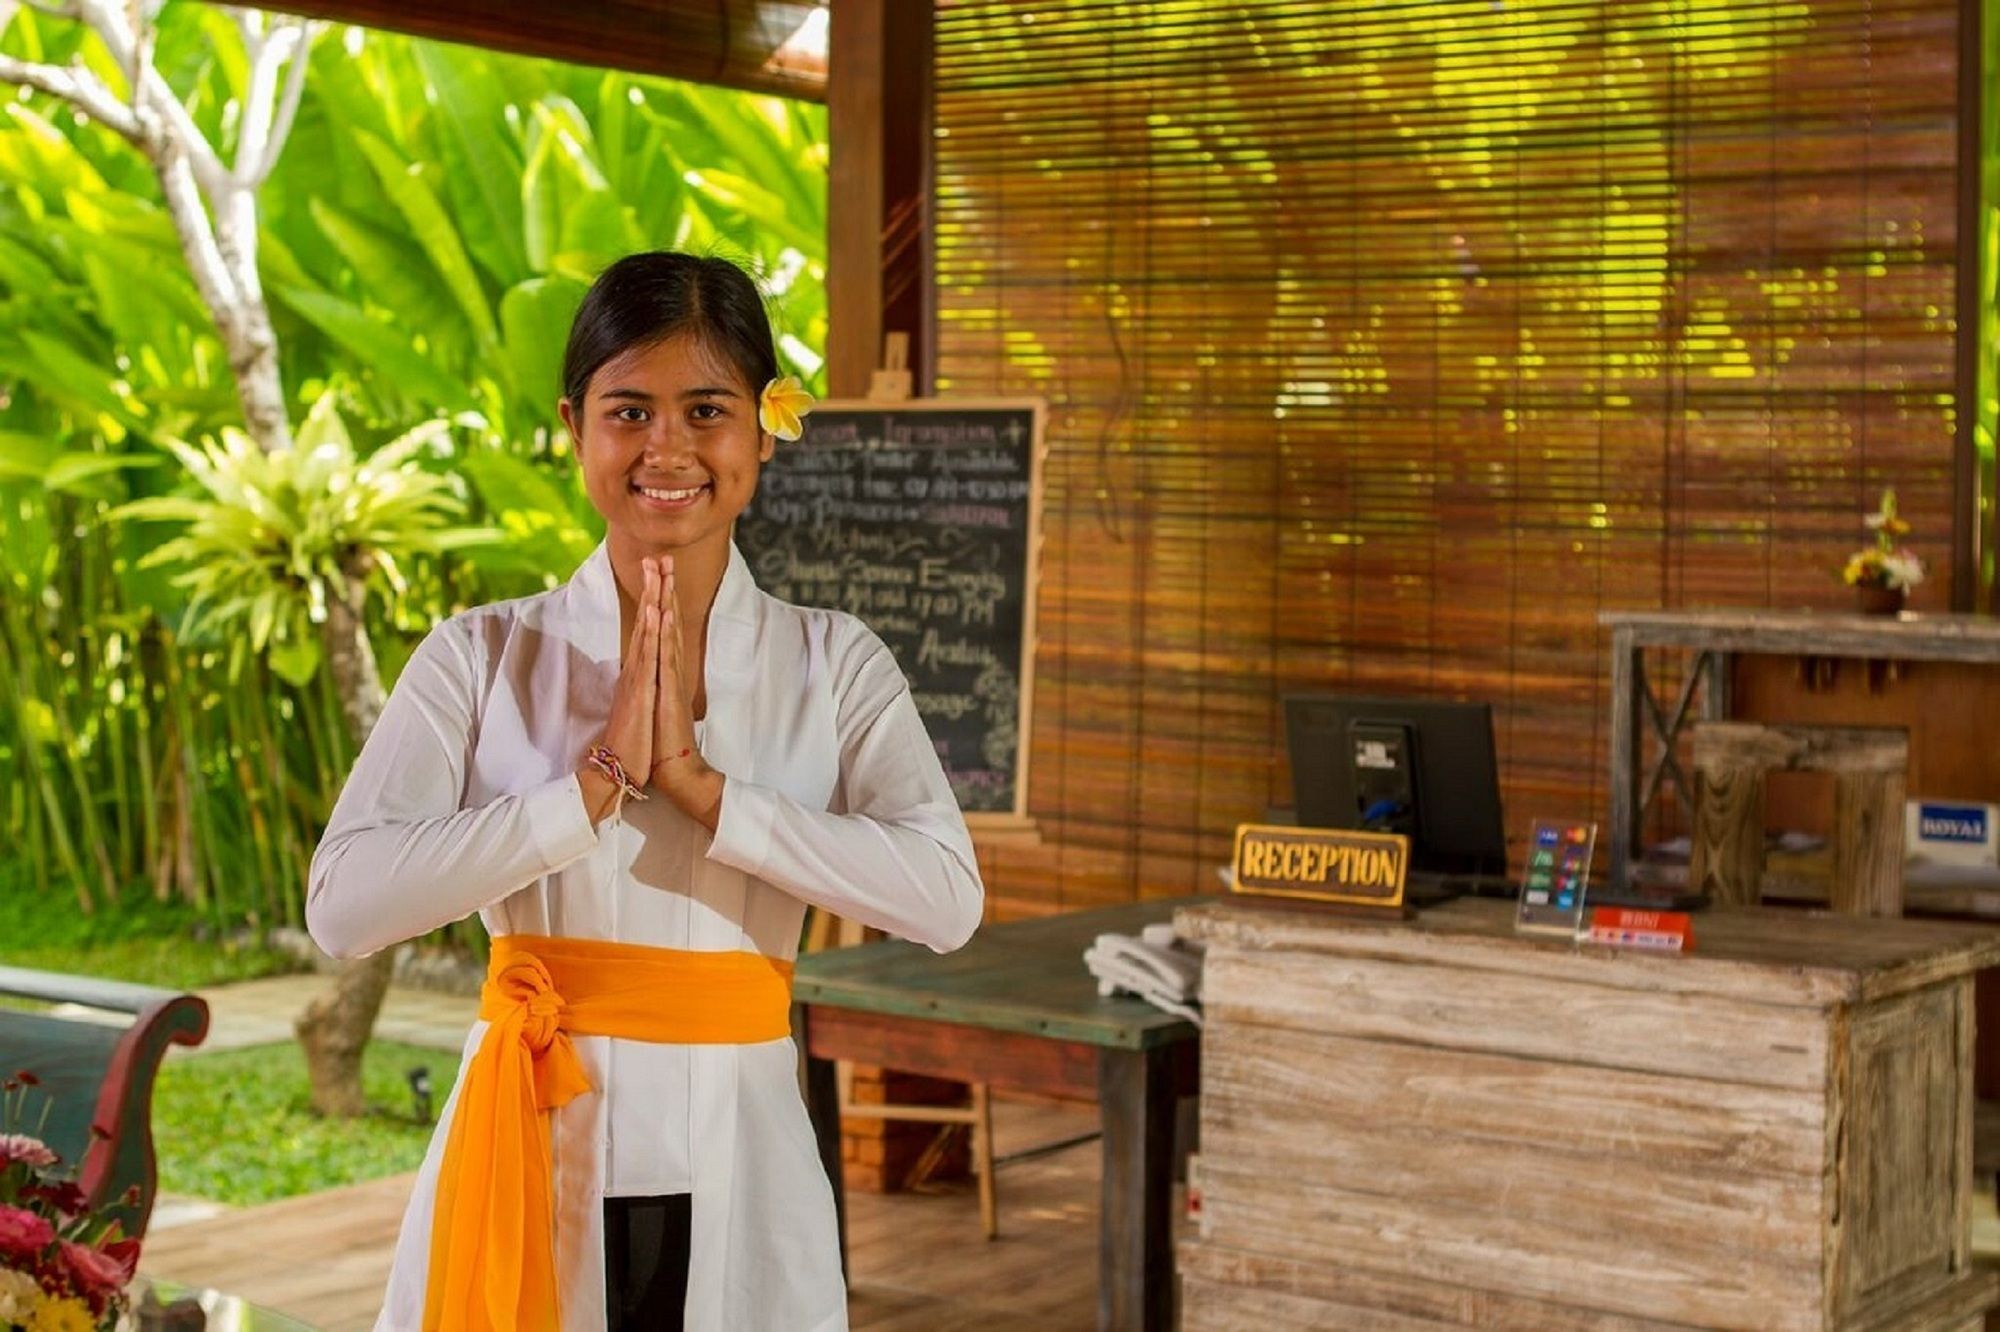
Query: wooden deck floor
[{"x": 918, "y": 1260}]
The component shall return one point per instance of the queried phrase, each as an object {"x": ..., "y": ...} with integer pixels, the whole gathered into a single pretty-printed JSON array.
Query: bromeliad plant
[
  {"x": 274, "y": 539},
  {"x": 1886, "y": 564},
  {"x": 63, "y": 1267}
]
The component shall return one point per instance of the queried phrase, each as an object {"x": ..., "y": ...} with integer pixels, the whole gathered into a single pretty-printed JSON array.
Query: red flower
[
  {"x": 22, "y": 1233},
  {"x": 63, "y": 1195},
  {"x": 27, "y": 1079},
  {"x": 103, "y": 1271}
]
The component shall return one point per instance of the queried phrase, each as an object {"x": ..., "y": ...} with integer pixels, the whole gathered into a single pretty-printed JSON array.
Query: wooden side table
[{"x": 1017, "y": 1009}]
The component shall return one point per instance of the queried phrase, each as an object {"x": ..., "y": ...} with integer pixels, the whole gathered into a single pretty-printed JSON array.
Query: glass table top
[{"x": 225, "y": 1313}]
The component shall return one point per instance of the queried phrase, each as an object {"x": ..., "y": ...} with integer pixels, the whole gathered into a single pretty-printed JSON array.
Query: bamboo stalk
[
  {"x": 92, "y": 630},
  {"x": 111, "y": 717},
  {"x": 192, "y": 861},
  {"x": 289, "y": 884},
  {"x": 34, "y": 749},
  {"x": 91, "y": 828},
  {"x": 148, "y": 779},
  {"x": 238, "y": 716}
]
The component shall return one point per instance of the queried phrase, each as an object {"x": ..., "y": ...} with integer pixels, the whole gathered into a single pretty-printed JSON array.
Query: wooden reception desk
[{"x": 1439, "y": 1123}]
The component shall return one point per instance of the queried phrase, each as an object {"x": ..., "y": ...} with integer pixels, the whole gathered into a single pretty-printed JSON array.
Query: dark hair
[{"x": 647, "y": 298}]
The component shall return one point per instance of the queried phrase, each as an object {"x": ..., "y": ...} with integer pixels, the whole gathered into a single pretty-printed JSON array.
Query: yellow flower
[
  {"x": 63, "y": 1315},
  {"x": 783, "y": 406}
]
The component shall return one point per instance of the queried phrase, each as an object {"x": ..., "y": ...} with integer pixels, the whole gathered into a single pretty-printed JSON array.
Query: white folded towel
[{"x": 1152, "y": 965}]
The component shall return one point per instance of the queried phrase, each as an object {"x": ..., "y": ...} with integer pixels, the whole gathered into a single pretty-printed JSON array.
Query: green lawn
[
  {"x": 140, "y": 939},
  {"x": 231, "y": 1126},
  {"x": 235, "y": 1126}
]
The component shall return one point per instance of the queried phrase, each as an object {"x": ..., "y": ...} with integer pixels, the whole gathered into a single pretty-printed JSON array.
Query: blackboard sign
[{"x": 923, "y": 519}]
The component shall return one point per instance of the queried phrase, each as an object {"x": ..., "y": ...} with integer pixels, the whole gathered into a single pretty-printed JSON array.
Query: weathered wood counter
[{"x": 1439, "y": 1123}]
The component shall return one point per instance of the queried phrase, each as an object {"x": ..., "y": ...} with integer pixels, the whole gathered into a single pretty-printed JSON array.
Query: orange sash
[{"x": 492, "y": 1264}]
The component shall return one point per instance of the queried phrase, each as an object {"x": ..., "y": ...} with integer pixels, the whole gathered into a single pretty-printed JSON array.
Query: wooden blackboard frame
[{"x": 1016, "y": 820}]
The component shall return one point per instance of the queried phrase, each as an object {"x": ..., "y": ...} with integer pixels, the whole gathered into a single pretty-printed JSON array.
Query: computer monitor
[{"x": 1422, "y": 767}]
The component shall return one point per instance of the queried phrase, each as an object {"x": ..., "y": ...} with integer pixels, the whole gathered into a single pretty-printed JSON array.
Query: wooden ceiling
[{"x": 774, "y": 46}]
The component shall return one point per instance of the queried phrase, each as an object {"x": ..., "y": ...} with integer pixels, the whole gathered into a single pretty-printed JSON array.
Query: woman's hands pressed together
[
  {"x": 651, "y": 727},
  {"x": 677, "y": 768}
]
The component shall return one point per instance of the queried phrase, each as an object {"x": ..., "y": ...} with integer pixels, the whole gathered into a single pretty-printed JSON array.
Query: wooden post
[
  {"x": 1971, "y": 475},
  {"x": 878, "y": 203},
  {"x": 982, "y": 1158},
  {"x": 879, "y": 278},
  {"x": 1135, "y": 1290},
  {"x": 1625, "y": 813},
  {"x": 854, "y": 89}
]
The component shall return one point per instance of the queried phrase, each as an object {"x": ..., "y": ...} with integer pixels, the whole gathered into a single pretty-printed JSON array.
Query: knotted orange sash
[{"x": 492, "y": 1263}]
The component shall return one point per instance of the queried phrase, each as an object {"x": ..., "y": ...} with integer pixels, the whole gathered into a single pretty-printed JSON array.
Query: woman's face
[{"x": 668, "y": 439}]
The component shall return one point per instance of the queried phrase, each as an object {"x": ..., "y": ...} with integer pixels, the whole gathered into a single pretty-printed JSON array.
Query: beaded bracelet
[{"x": 605, "y": 761}]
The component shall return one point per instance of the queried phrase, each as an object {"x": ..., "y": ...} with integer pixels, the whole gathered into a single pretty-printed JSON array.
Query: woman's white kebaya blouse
[{"x": 464, "y": 799}]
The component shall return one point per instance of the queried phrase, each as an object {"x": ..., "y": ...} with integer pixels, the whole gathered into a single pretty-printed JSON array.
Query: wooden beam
[
  {"x": 734, "y": 43},
  {"x": 1972, "y": 481},
  {"x": 878, "y": 198},
  {"x": 907, "y": 250},
  {"x": 854, "y": 195}
]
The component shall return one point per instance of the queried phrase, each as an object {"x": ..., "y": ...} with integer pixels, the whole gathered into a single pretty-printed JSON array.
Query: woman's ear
[
  {"x": 767, "y": 446},
  {"x": 568, "y": 411}
]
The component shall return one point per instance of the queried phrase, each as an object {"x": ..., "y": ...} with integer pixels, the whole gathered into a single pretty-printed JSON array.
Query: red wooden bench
[{"x": 98, "y": 1076}]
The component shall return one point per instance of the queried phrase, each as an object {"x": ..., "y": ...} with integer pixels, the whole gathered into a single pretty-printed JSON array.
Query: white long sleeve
[
  {"x": 399, "y": 857},
  {"x": 896, "y": 855}
]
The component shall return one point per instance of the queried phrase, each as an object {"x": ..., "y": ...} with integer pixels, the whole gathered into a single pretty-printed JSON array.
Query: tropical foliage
[
  {"x": 268, "y": 539},
  {"x": 427, "y": 234}
]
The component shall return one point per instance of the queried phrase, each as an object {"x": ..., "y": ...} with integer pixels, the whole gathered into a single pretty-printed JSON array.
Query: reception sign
[{"x": 1322, "y": 864}]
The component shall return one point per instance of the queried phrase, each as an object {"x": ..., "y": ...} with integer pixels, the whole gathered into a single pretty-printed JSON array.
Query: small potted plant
[
  {"x": 1883, "y": 574},
  {"x": 63, "y": 1267}
]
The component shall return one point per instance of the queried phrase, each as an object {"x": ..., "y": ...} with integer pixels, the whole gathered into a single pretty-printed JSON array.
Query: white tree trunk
[
  {"x": 213, "y": 205},
  {"x": 253, "y": 356}
]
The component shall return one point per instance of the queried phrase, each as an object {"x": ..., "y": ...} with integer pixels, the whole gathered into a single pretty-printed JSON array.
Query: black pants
[{"x": 646, "y": 1262}]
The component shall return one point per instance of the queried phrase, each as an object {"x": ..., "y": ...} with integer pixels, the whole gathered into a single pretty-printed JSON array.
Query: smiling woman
[{"x": 640, "y": 980}]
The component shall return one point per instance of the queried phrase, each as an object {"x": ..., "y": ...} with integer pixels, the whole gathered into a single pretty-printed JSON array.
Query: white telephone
[{"x": 1152, "y": 966}]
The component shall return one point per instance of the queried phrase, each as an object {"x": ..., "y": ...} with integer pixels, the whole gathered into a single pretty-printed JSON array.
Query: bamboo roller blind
[{"x": 1386, "y": 344}]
